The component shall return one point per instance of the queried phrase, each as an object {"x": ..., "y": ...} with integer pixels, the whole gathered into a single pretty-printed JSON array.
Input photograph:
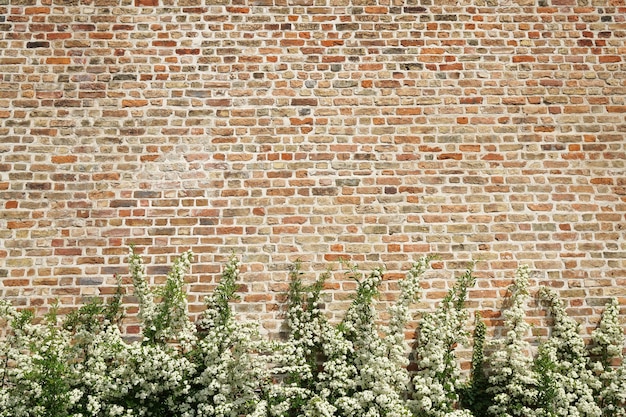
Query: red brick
[
  {"x": 605, "y": 181},
  {"x": 524, "y": 58},
  {"x": 68, "y": 251},
  {"x": 36, "y": 10},
  {"x": 58, "y": 36},
  {"x": 165, "y": 44},
  {"x": 20, "y": 225},
  {"x": 376, "y": 9},
  {"x": 610, "y": 58},
  {"x": 455, "y": 156},
  {"x": 15, "y": 282},
  {"x": 232, "y": 9}
]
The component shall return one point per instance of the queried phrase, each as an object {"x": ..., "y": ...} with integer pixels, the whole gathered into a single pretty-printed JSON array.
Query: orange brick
[
  {"x": 59, "y": 61},
  {"x": 64, "y": 159},
  {"x": 37, "y": 10}
]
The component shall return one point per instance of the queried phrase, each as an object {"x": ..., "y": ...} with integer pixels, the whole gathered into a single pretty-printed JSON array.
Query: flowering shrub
[
  {"x": 513, "y": 382},
  {"x": 350, "y": 370},
  {"x": 36, "y": 379},
  {"x": 217, "y": 367},
  {"x": 608, "y": 350},
  {"x": 563, "y": 365},
  {"x": 438, "y": 382},
  {"x": 230, "y": 369}
]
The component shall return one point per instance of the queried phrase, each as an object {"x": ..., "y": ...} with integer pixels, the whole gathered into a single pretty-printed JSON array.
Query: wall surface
[{"x": 374, "y": 131}]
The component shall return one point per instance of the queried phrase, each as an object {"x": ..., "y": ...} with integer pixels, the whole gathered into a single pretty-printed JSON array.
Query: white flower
[{"x": 514, "y": 383}]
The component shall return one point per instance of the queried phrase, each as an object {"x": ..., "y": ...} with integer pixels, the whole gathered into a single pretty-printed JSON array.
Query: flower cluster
[
  {"x": 609, "y": 366},
  {"x": 168, "y": 319},
  {"x": 514, "y": 385},
  {"x": 83, "y": 366},
  {"x": 230, "y": 367},
  {"x": 563, "y": 363},
  {"x": 36, "y": 377},
  {"x": 438, "y": 382}
]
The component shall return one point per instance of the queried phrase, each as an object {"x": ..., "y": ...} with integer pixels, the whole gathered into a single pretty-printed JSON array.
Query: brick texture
[{"x": 374, "y": 131}]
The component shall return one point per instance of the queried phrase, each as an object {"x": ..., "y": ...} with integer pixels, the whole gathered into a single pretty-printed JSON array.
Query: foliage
[
  {"x": 567, "y": 383},
  {"x": 609, "y": 365},
  {"x": 350, "y": 369},
  {"x": 167, "y": 319},
  {"x": 474, "y": 395},
  {"x": 513, "y": 382},
  {"x": 438, "y": 382},
  {"x": 218, "y": 366},
  {"x": 230, "y": 373}
]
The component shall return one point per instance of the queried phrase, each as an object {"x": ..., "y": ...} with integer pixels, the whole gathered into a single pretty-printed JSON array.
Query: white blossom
[
  {"x": 610, "y": 366},
  {"x": 437, "y": 383},
  {"x": 514, "y": 383},
  {"x": 563, "y": 366}
]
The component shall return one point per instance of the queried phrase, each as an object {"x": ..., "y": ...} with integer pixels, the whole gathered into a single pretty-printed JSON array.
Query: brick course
[{"x": 374, "y": 131}]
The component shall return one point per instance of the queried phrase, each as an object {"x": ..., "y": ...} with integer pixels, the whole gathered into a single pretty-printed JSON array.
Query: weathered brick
[
  {"x": 134, "y": 103},
  {"x": 38, "y": 44},
  {"x": 354, "y": 130}
]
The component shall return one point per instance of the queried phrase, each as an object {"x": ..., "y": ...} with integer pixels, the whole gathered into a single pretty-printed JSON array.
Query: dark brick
[
  {"x": 325, "y": 191},
  {"x": 38, "y": 44},
  {"x": 347, "y": 26},
  {"x": 41, "y": 186},
  {"x": 414, "y": 9},
  {"x": 125, "y": 77},
  {"x": 90, "y": 281},
  {"x": 123, "y": 203}
]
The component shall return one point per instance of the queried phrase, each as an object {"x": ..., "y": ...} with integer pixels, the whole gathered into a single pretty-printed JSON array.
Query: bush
[{"x": 83, "y": 366}]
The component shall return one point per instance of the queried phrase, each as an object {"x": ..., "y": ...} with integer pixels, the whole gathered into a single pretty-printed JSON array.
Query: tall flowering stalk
[
  {"x": 153, "y": 375},
  {"x": 437, "y": 382},
  {"x": 400, "y": 313},
  {"x": 143, "y": 292},
  {"x": 231, "y": 371},
  {"x": 474, "y": 396},
  {"x": 609, "y": 365},
  {"x": 380, "y": 380},
  {"x": 514, "y": 385},
  {"x": 319, "y": 371},
  {"x": 567, "y": 383},
  {"x": 167, "y": 319}
]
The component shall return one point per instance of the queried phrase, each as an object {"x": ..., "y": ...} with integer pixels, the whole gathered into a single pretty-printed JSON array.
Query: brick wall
[{"x": 313, "y": 129}]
